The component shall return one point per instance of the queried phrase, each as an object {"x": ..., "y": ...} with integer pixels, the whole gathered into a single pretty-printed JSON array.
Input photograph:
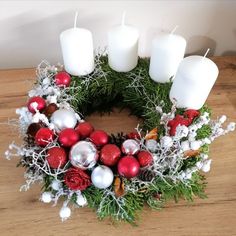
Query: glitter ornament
[
  {"x": 128, "y": 167},
  {"x": 68, "y": 137},
  {"x": 102, "y": 177},
  {"x": 44, "y": 136},
  {"x": 110, "y": 154},
  {"x": 84, "y": 129},
  {"x": 99, "y": 137},
  {"x": 64, "y": 118},
  {"x": 36, "y": 103},
  {"x": 130, "y": 147},
  {"x": 83, "y": 155},
  {"x": 46, "y": 197},
  {"x": 56, "y": 157},
  {"x": 166, "y": 142},
  {"x": 62, "y": 79},
  {"x": 145, "y": 158}
]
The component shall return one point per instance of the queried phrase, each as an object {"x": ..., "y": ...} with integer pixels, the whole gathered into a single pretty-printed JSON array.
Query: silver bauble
[
  {"x": 102, "y": 177},
  {"x": 130, "y": 147},
  {"x": 83, "y": 155},
  {"x": 63, "y": 118},
  {"x": 151, "y": 145}
]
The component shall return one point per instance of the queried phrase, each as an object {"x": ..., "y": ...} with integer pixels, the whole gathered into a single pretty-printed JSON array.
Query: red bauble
[
  {"x": 62, "y": 79},
  {"x": 56, "y": 157},
  {"x": 68, "y": 137},
  {"x": 145, "y": 158},
  {"x": 44, "y": 136},
  {"x": 133, "y": 135},
  {"x": 99, "y": 137},
  {"x": 84, "y": 129},
  {"x": 41, "y": 104},
  {"x": 110, "y": 154},
  {"x": 128, "y": 167}
]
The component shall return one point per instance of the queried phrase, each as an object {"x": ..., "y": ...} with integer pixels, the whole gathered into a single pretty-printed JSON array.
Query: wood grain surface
[{"x": 22, "y": 214}]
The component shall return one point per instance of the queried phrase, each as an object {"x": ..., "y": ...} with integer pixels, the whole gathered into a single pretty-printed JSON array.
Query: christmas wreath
[{"x": 114, "y": 174}]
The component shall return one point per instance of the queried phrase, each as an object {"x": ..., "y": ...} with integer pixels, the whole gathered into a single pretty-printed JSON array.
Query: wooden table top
[{"x": 22, "y": 214}]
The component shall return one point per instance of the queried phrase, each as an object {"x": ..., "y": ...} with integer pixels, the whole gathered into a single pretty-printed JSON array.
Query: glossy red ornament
[
  {"x": 84, "y": 129},
  {"x": 145, "y": 158},
  {"x": 44, "y": 136},
  {"x": 128, "y": 167},
  {"x": 62, "y": 79},
  {"x": 178, "y": 120},
  {"x": 41, "y": 104},
  {"x": 133, "y": 135},
  {"x": 99, "y": 137},
  {"x": 56, "y": 157},
  {"x": 68, "y": 137},
  {"x": 110, "y": 154}
]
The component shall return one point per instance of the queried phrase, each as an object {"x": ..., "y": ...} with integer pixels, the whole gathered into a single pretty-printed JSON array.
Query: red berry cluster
[{"x": 185, "y": 119}]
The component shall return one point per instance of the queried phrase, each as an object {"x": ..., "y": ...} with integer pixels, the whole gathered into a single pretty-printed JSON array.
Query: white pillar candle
[
  {"x": 166, "y": 54},
  {"x": 123, "y": 47},
  {"x": 77, "y": 50},
  {"x": 193, "y": 82}
]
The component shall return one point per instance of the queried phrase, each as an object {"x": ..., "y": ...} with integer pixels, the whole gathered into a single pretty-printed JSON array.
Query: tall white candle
[
  {"x": 193, "y": 82},
  {"x": 166, "y": 54},
  {"x": 123, "y": 47},
  {"x": 77, "y": 50}
]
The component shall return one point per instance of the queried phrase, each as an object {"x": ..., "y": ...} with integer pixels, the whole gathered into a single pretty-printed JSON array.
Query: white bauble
[
  {"x": 195, "y": 145},
  {"x": 81, "y": 200},
  {"x": 102, "y": 177},
  {"x": 46, "y": 197},
  {"x": 206, "y": 166},
  {"x": 64, "y": 118},
  {"x": 185, "y": 145}
]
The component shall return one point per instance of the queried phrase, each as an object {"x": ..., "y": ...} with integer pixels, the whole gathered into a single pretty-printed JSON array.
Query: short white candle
[
  {"x": 77, "y": 50},
  {"x": 166, "y": 54},
  {"x": 193, "y": 82},
  {"x": 123, "y": 47}
]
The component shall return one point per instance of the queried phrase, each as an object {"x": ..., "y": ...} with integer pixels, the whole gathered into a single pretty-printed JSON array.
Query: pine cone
[
  {"x": 146, "y": 175},
  {"x": 117, "y": 139}
]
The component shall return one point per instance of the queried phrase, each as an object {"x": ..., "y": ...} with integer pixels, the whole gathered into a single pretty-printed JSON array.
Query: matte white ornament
[
  {"x": 166, "y": 54},
  {"x": 231, "y": 126},
  {"x": 102, "y": 177},
  {"x": 46, "y": 197},
  {"x": 63, "y": 118},
  {"x": 193, "y": 82},
  {"x": 181, "y": 131},
  {"x": 65, "y": 213},
  {"x": 81, "y": 200}
]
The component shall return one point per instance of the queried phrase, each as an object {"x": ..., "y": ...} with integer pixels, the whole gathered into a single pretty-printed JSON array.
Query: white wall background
[{"x": 29, "y": 30}]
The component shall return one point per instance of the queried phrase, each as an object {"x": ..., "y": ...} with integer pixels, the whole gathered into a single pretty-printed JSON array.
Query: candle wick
[
  {"x": 206, "y": 52},
  {"x": 123, "y": 18},
  {"x": 75, "y": 20},
  {"x": 174, "y": 29}
]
